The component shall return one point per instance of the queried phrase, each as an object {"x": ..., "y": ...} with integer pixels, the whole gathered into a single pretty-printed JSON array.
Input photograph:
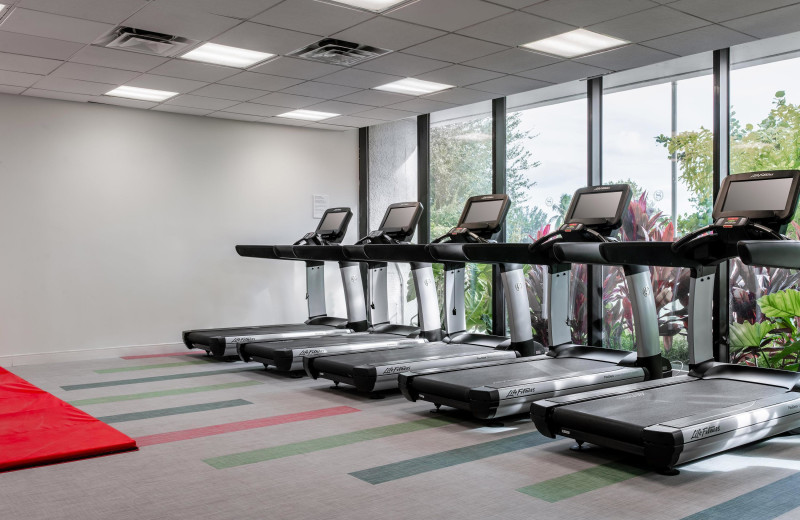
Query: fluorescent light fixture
[
  {"x": 144, "y": 94},
  {"x": 225, "y": 55},
  {"x": 414, "y": 87},
  {"x": 369, "y": 5},
  {"x": 308, "y": 115},
  {"x": 575, "y": 43}
]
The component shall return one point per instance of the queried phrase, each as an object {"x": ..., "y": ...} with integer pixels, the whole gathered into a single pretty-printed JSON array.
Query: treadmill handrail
[{"x": 770, "y": 253}]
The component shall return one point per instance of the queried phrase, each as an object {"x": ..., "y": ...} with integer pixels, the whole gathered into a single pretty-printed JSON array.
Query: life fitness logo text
[
  {"x": 519, "y": 392},
  {"x": 705, "y": 432},
  {"x": 243, "y": 339},
  {"x": 756, "y": 175},
  {"x": 396, "y": 370},
  {"x": 312, "y": 351}
]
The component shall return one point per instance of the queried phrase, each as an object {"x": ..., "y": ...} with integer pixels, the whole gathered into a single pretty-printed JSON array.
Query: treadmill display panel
[
  {"x": 758, "y": 195},
  {"x": 484, "y": 211},
  {"x": 331, "y": 223},
  {"x": 400, "y": 218},
  {"x": 602, "y": 205}
]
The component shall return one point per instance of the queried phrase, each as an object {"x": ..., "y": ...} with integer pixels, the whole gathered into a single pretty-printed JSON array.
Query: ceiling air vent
[
  {"x": 338, "y": 52},
  {"x": 148, "y": 42}
]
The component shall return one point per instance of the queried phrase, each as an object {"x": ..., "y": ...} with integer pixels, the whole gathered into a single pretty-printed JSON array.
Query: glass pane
[
  {"x": 461, "y": 167},
  {"x": 765, "y": 131},
  {"x": 657, "y": 137}
]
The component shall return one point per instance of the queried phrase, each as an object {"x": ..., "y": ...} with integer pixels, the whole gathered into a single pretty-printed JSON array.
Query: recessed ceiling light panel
[
  {"x": 370, "y": 5},
  {"x": 143, "y": 94},
  {"x": 308, "y": 115},
  {"x": 225, "y": 55},
  {"x": 414, "y": 87},
  {"x": 579, "y": 42}
]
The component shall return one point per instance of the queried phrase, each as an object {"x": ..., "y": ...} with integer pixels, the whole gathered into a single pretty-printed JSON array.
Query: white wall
[{"x": 118, "y": 226}]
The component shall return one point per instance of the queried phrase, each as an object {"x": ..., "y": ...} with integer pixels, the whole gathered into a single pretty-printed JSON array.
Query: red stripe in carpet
[
  {"x": 38, "y": 428},
  {"x": 168, "y": 354},
  {"x": 194, "y": 433}
]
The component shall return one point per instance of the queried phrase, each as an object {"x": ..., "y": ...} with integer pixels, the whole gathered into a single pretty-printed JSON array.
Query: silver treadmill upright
[
  {"x": 501, "y": 388},
  {"x": 222, "y": 342},
  {"x": 377, "y": 369},
  {"x": 717, "y": 406}
]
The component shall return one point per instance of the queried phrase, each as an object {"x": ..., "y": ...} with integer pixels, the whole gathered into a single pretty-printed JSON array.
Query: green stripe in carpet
[
  {"x": 445, "y": 459},
  {"x": 178, "y": 410},
  {"x": 156, "y": 378},
  {"x": 148, "y": 367},
  {"x": 568, "y": 486},
  {"x": 162, "y": 393},
  {"x": 324, "y": 443},
  {"x": 765, "y": 503}
]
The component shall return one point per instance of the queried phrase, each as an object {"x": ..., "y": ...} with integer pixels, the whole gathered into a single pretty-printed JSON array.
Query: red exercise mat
[{"x": 38, "y": 428}]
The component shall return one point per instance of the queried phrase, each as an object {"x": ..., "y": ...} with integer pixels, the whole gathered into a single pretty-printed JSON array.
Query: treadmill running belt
[
  {"x": 268, "y": 348},
  {"x": 203, "y": 337},
  {"x": 624, "y": 417},
  {"x": 344, "y": 363},
  {"x": 458, "y": 383}
]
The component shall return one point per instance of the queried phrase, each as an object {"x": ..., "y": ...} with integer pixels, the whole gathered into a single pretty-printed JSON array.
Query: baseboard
[{"x": 91, "y": 353}]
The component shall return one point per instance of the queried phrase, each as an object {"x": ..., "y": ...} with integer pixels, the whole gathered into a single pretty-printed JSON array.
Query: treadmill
[
  {"x": 221, "y": 343},
  {"x": 377, "y": 369},
  {"x": 397, "y": 227},
  {"x": 717, "y": 406},
  {"x": 500, "y": 388}
]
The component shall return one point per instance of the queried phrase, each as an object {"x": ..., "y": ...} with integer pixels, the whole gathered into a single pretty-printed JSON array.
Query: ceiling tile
[
  {"x": 628, "y": 57},
  {"x": 563, "y": 72},
  {"x": 200, "y": 102},
  {"x": 455, "y": 48},
  {"x": 375, "y": 98},
  {"x": 237, "y": 117},
  {"x": 182, "y": 110},
  {"x": 51, "y": 94},
  {"x": 359, "y": 78},
  {"x": 508, "y": 85},
  {"x": 93, "y": 73},
  {"x": 459, "y": 75},
  {"x": 388, "y": 34},
  {"x": 165, "y": 83},
  {"x": 123, "y": 102},
  {"x": 354, "y": 121},
  {"x": 312, "y": 17},
  {"x": 6, "y": 89},
  {"x": 189, "y": 23},
  {"x": 16, "y": 43},
  {"x": 320, "y": 90},
  {"x": 461, "y": 96},
  {"x": 422, "y": 106},
  {"x": 512, "y": 61},
  {"x": 707, "y": 38},
  {"x": 110, "y": 11},
  {"x": 333, "y": 128},
  {"x": 586, "y": 12},
  {"x": 115, "y": 59},
  {"x": 402, "y": 64},
  {"x": 516, "y": 4},
  {"x": 260, "y": 81},
  {"x": 339, "y": 107},
  {"x": 30, "y": 64},
  {"x": 256, "y": 109},
  {"x": 257, "y": 37},
  {"x": 649, "y": 24},
  {"x": 448, "y": 15},
  {"x": 771, "y": 23},
  {"x": 54, "y": 26},
  {"x": 281, "y": 99},
  {"x": 229, "y": 92},
  {"x": 285, "y": 121},
  {"x": 242, "y": 9},
  {"x": 295, "y": 68},
  {"x": 18, "y": 79},
  {"x": 386, "y": 114},
  {"x": 73, "y": 85},
  {"x": 515, "y": 29},
  {"x": 722, "y": 10},
  {"x": 186, "y": 69}
]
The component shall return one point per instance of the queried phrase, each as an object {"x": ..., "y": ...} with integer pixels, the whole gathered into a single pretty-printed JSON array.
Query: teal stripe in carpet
[
  {"x": 764, "y": 503},
  {"x": 149, "y": 367},
  {"x": 446, "y": 459},
  {"x": 155, "y": 378},
  {"x": 178, "y": 410},
  {"x": 162, "y": 393}
]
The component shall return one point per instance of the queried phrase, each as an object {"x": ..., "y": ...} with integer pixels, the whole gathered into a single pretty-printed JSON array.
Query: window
[{"x": 461, "y": 167}]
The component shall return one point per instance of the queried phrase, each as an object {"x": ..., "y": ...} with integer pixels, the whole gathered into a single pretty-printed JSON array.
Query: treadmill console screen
[
  {"x": 601, "y": 205},
  {"x": 484, "y": 211},
  {"x": 399, "y": 218},
  {"x": 331, "y": 223},
  {"x": 758, "y": 195}
]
